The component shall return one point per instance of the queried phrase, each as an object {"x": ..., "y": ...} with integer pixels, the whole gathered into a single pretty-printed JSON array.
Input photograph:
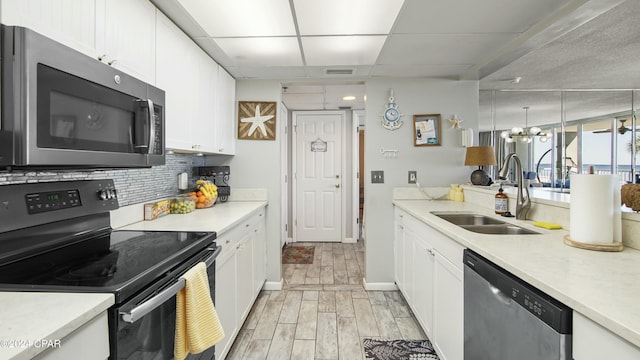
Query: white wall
[
  {"x": 436, "y": 165},
  {"x": 257, "y": 165}
]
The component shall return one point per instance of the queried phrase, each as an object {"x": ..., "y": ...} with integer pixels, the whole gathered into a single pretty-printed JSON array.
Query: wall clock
[{"x": 391, "y": 115}]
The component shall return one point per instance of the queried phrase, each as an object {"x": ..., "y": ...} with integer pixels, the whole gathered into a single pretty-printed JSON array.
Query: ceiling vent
[{"x": 338, "y": 71}]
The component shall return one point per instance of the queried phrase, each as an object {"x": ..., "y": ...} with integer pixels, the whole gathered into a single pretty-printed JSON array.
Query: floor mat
[
  {"x": 297, "y": 254},
  {"x": 375, "y": 349}
]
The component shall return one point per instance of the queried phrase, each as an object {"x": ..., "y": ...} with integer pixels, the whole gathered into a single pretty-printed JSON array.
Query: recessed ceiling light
[{"x": 348, "y": 98}]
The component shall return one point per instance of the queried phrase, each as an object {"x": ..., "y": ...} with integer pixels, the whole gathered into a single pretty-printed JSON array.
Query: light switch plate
[
  {"x": 413, "y": 176},
  {"x": 377, "y": 177}
]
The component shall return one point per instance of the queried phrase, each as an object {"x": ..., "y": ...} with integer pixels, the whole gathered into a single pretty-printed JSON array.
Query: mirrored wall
[{"x": 559, "y": 133}]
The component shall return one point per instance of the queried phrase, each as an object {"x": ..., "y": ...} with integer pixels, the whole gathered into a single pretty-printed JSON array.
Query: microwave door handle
[
  {"x": 152, "y": 127},
  {"x": 146, "y": 307}
]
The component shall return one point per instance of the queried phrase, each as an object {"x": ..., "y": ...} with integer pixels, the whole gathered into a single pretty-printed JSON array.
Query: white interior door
[{"x": 318, "y": 175}]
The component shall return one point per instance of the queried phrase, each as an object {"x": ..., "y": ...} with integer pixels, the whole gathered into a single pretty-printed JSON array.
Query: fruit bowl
[{"x": 206, "y": 194}]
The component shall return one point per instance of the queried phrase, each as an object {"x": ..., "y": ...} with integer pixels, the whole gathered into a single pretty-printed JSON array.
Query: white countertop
[
  {"x": 27, "y": 318},
  {"x": 219, "y": 218},
  {"x": 603, "y": 286}
]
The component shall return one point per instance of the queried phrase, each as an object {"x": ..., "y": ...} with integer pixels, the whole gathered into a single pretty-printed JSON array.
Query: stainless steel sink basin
[
  {"x": 461, "y": 219},
  {"x": 483, "y": 224},
  {"x": 503, "y": 229}
]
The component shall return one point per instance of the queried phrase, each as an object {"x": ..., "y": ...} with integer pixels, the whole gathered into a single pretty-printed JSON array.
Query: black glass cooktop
[{"x": 119, "y": 261}]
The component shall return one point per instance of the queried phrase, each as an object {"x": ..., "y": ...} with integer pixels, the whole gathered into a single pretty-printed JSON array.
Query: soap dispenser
[{"x": 502, "y": 202}]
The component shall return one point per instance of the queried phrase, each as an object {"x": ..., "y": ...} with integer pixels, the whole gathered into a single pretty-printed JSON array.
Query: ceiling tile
[
  {"x": 342, "y": 50},
  {"x": 273, "y": 72},
  {"x": 418, "y": 70},
  {"x": 339, "y": 17},
  {"x": 221, "y": 18},
  {"x": 441, "y": 49},
  {"x": 473, "y": 16},
  {"x": 269, "y": 51}
]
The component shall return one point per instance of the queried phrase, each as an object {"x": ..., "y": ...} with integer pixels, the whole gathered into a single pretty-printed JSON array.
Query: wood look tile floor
[{"x": 323, "y": 312}]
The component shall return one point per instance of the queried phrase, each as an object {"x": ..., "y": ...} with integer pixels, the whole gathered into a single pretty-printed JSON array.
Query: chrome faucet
[{"x": 523, "y": 202}]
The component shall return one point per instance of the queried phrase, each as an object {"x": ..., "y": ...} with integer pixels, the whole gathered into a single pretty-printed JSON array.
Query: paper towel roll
[{"x": 595, "y": 209}]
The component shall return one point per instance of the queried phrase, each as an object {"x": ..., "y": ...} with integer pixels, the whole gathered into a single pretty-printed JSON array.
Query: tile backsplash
[{"x": 133, "y": 185}]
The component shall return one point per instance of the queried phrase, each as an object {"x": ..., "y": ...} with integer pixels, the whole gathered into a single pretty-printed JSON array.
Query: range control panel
[
  {"x": 31, "y": 204},
  {"x": 52, "y": 200}
]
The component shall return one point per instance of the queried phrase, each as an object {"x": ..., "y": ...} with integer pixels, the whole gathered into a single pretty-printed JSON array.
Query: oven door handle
[
  {"x": 212, "y": 258},
  {"x": 146, "y": 307}
]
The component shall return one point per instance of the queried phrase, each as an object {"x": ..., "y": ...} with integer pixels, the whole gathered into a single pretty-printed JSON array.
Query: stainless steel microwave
[{"x": 63, "y": 109}]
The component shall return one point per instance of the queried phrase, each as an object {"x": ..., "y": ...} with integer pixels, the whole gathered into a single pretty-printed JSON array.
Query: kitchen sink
[
  {"x": 482, "y": 224},
  {"x": 462, "y": 219},
  {"x": 502, "y": 229}
]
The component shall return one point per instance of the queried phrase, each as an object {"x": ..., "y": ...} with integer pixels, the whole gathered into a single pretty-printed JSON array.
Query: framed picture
[
  {"x": 256, "y": 120},
  {"x": 426, "y": 130}
]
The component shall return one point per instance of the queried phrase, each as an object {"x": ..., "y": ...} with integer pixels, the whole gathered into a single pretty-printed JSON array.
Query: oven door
[
  {"x": 73, "y": 110},
  {"x": 144, "y": 327}
]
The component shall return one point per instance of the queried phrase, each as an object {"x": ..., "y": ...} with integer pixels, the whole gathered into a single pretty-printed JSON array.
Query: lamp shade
[{"x": 480, "y": 155}]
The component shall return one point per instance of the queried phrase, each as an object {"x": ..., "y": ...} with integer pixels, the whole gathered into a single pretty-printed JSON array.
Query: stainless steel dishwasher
[{"x": 505, "y": 318}]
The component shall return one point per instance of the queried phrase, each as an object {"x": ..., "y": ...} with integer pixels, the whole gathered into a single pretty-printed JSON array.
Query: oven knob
[{"x": 102, "y": 194}]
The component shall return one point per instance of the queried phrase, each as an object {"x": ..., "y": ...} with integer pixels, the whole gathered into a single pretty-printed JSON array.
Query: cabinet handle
[
  {"x": 431, "y": 252},
  {"x": 112, "y": 62},
  {"x": 228, "y": 241},
  {"x": 246, "y": 225},
  {"x": 256, "y": 230}
]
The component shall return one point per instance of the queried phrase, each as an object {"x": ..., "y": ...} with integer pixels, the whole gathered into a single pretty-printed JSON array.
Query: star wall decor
[{"x": 256, "y": 120}]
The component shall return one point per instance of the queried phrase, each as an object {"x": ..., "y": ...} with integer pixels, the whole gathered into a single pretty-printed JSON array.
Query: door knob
[{"x": 337, "y": 186}]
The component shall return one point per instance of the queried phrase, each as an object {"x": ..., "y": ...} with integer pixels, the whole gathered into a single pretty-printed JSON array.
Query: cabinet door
[
  {"x": 591, "y": 341},
  {"x": 69, "y": 22},
  {"x": 259, "y": 256},
  {"x": 129, "y": 34},
  {"x": 203, "y": 93},
  {"x": 407, "y": 263},
  {"x": 423, "y": 268},
  {"x": 245, "y": 275},
  {"x": 225, "y": 113},
  {"x": 397, "y": 250},
  {"x": 174, "y": 76},
  {"x": 226, "y": 305},
  {"x": 448, "y": 309}
]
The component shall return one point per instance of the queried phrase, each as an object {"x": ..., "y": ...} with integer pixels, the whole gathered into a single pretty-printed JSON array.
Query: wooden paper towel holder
[{"x": 616, "y": 246}]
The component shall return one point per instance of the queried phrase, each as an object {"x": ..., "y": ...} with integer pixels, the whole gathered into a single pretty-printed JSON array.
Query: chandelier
[{"x": 527, "y": 134}]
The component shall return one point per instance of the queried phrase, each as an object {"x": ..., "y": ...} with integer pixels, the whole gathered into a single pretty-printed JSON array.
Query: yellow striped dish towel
[{"x": 197, "y": 325}]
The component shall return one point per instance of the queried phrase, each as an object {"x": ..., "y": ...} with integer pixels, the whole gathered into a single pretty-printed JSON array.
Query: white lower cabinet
[
  {"x": 428, "y": 268},
  {"x": 90, "y": 341},
  {"x": 225, "y": 303},
  {"x": 240, "y": 267},
  {"x": 593, "y": 342}
]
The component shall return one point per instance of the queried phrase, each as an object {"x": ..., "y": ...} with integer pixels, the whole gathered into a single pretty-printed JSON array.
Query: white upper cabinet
[
  {"x": 128, "y": 38},
  {"x": 225, "y": 117},
  {"x": 203, "y": 127},
  {"x": 174, "y": 76},
  {"x": 69, "y": 22}
]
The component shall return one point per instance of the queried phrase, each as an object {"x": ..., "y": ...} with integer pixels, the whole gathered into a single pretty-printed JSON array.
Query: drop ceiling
[{"x": 548, "y": 43}]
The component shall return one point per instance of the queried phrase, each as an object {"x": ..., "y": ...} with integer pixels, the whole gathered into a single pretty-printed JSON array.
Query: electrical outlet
[
  {"x": 413, "y": 176},
  {"x": 377, "y": 177}
]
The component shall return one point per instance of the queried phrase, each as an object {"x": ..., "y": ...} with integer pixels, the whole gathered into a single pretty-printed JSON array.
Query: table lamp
[{"x": 480, "y": 156}]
